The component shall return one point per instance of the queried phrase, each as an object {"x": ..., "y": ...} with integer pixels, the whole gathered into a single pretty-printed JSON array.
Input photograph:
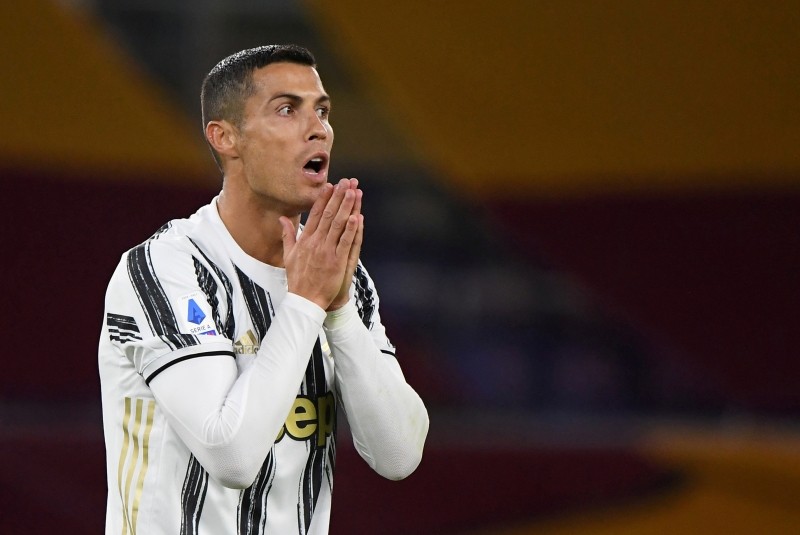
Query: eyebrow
[{"x": 296, "y": 99}]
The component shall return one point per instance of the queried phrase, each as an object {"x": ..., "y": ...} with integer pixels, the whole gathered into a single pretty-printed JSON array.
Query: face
[{"x": 284, "y": 143}]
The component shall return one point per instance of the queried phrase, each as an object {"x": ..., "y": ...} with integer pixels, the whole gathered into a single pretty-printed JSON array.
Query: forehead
[{"x": 288, "y": 78}]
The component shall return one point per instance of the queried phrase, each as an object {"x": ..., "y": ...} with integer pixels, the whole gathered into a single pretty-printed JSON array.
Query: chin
[
  {"x": 314, "y": 194},
  {"x": 303, "y": 207}
]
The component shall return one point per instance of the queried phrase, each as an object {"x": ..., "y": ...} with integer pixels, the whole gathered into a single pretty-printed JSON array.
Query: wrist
[
  {"x": 339, "y": 317},
  {"x": 308, "y": 306},
  {"x": 340, "y": 301}
]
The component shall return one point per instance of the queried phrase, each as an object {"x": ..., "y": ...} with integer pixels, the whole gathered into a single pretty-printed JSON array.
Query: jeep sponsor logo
[{"x": 309, "y": 416}]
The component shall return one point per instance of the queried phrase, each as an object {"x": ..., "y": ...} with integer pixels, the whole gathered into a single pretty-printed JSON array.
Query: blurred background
[{"x": 583, "y": 219}]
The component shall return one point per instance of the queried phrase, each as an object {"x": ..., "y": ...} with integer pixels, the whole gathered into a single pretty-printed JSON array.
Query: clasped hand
[{"x": 320, "y": 263}]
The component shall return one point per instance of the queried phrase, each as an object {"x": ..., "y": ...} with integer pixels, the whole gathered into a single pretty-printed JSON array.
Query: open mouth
[{"x": 315, "y": 165}]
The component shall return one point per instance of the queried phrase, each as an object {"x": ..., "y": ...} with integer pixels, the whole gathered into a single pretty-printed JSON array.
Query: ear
[{"x": 222, "y": 136}]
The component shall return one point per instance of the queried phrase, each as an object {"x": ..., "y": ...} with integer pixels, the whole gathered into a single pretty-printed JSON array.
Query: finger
[
  {"x": 339, "y": 222},
  {"x": 354, "y": 187},
  {"x": 355, "y": 248},
  {"x": 318, "y": 207},
  {"x": 332, "y": 206},
  {"x": 357, "y": 205},
  {"x": 345, "y": 242},
  {"x": 352, "y": 261}
]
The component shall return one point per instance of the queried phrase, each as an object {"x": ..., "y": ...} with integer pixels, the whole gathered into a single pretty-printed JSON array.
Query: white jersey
[{"x": 190, "y": 292}]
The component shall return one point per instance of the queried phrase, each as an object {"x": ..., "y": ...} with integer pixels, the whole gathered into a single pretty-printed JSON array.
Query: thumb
[{"x": 289, "y": 234}]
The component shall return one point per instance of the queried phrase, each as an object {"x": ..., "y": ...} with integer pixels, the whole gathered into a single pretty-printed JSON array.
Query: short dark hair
[{"x": 228, "y": 85}]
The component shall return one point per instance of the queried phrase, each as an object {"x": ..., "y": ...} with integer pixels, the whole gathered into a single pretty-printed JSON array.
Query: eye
[
  {"x": 285, "y": 110},
  {"x": 323, "y": 112}
]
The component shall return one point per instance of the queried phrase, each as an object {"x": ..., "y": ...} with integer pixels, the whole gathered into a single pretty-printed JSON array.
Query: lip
[{"x": 320, "y": 176}]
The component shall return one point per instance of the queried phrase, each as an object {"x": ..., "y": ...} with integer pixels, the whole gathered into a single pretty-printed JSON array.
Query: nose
[{"x": 317, "y": 128}]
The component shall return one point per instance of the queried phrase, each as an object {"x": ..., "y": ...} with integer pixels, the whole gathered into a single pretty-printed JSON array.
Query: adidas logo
[{"x": 246, "y": 344}]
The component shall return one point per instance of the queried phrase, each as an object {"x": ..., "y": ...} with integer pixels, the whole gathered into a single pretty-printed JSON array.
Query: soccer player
[{"x": 232, "y": 338}]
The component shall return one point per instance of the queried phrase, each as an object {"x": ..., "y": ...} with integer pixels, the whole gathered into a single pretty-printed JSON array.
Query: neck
[{"x": 253, "y": 226}]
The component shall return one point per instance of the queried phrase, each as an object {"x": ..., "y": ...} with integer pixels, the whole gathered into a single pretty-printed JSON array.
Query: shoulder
[
  {"x": 177, "y": 237},
  {"x": 171, "y": 251},
  {"x": 165, "y": 246}
]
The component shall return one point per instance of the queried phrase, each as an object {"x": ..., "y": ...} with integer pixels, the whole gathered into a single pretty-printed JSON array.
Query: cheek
[{"x": 267, "y": 155}]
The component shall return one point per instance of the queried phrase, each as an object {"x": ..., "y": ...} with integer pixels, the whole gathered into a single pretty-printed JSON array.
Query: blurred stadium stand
[{"x": 582, "y": 220}]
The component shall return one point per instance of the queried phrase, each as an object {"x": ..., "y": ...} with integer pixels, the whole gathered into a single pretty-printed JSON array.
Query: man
[{"x": 232, "y": 338}]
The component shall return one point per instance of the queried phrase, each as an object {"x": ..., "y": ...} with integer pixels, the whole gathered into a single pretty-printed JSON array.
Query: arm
[
  {"x": 230, "y": 421},
  {"x": 388, "y": 419}
]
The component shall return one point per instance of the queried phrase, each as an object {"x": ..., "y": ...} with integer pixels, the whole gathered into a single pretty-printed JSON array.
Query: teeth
[{"x": 315, "y": 164}]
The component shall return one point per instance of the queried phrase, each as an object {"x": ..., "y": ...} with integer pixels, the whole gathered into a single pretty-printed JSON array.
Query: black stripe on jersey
[
  {"x": 209, "y": 286},
  {"x": 122, "y": 328},
  {"x": 161, "y": 230},
  {"x": 193, "y": 495},
  {"x": 365, "y": 300},
  {"x": 259, "y": 304},
  {"x": 388, "y": 352},
  {"x": 331, "y": 464},
  {"x": 154, "y": 300},
  {"x": 314, "y": 380},
  {"x": 127, "y": 323},
  {"x": 252, "y": 513},
  {"x": 186, "y": 357},
  {"x": 316, "y": 386},
  {"x": 252, "y": 510}
]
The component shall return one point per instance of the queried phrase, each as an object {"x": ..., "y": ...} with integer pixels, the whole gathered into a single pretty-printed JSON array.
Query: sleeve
[
  {"x": 387, "y": 418},
  {"x": 228, "y": 420},
  {"x": 175, "y": 303}
]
